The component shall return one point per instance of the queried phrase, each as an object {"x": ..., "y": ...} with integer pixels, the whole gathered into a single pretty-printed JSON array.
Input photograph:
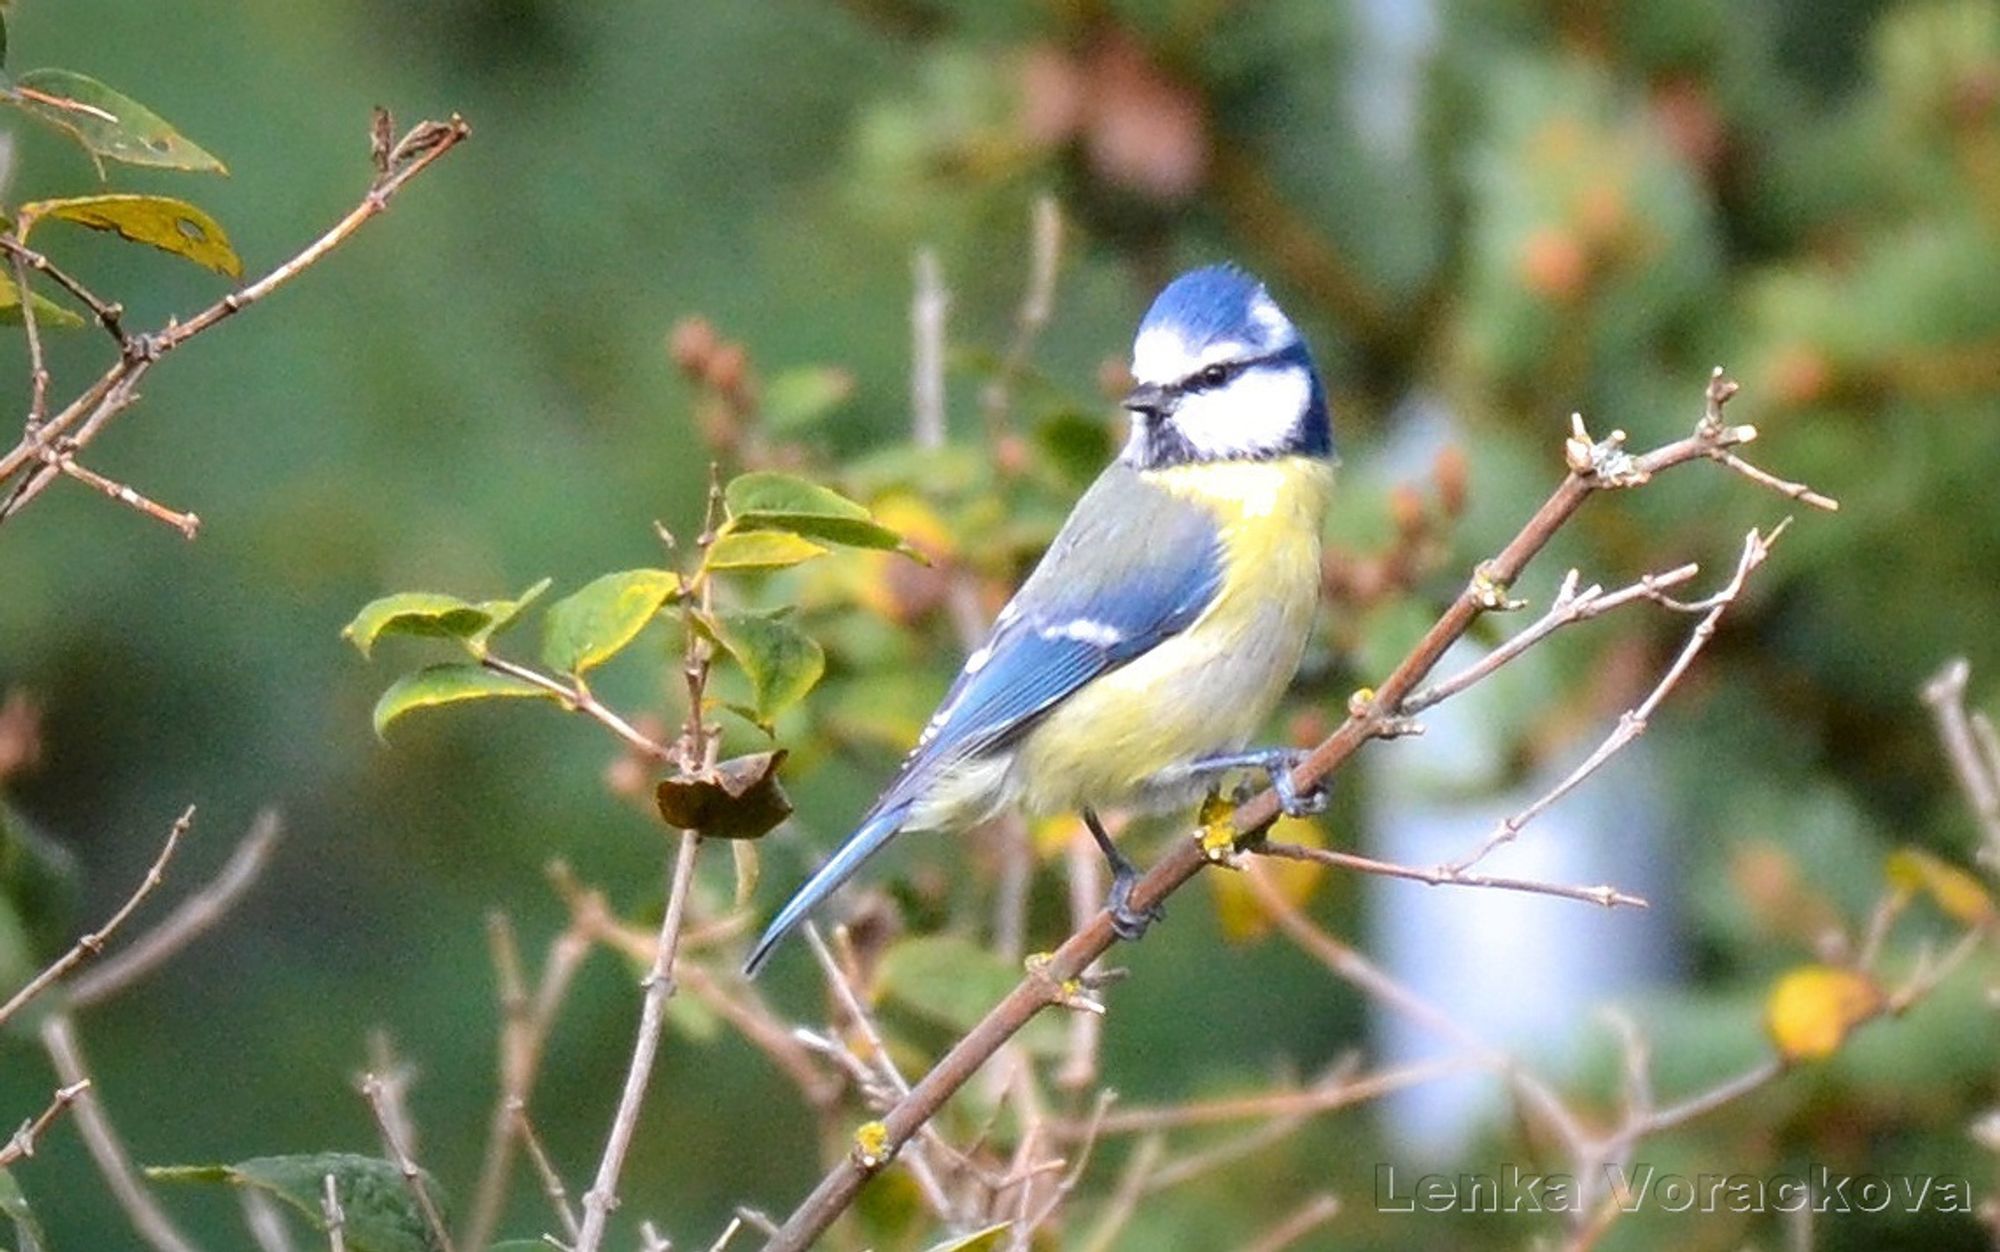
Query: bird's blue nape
[{"x": 1218, "y": 302}]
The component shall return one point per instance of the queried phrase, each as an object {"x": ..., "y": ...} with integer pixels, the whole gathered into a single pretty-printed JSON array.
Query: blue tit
[{"x": 1167, "y": 618}]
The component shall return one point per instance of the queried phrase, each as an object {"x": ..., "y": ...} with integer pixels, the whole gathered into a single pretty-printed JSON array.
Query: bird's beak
[{"x": 1149, "y": 398}]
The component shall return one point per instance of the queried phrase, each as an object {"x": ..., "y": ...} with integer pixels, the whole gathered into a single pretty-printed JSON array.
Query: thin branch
[
  {"x": 1310, "y": 1216},
  {"x": 389, "y": 1117},
  {"x": 335, "y": 1217},
  {"x": 928, "y": 308},
  {"x": 114, "y": 391},
  {"x": 603, "y": 1194},
  {"x": 1594, "y": 466},
  {"x": 188, "y": 920},
  {"x": 545, "y": 1171},
  {"x": 265, "y": 1223},
  {"x": 93, "y": 943},
  {"x": 22, "y": 1144},
  {"x": 38, "y": 368},
  {"x": 1632, "y": 723},
  {"x": 114, "y": 1163},
  {"x": 578, "y": 699},
  {"x": 1086, "y": 896},
  {"x": 1571, "y": 606},
  {"x": 1339, "y": 1090},
  {"x": 1438, "y": 876},
  {"x": 1038, "y": 302},
  {"x": 1945, "y": 694},
  {"x": 1125, "y": 1199},
  {"x": 189, "y": 524},
  {"x": 106, "y": 313}
]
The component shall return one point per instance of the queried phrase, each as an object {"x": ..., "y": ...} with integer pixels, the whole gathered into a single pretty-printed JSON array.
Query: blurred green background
[{"x": 1495, "y": 212}]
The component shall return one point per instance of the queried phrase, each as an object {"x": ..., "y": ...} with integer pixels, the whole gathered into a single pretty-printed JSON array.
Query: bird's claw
[
  {"x": 1128, "y": 923},
  {"x": 1312, "y": 803}
]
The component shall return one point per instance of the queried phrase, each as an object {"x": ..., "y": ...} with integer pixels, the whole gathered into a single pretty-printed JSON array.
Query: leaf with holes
[
  {"x": 740, "y": 799},
  {"x": 451, "y": 683},
  {"x": 590, "y": 626},
  {"x": 380, "y": 1213},
  {"x": 159, "y": 221},
  {"x": 48, "y": 314},
  {"x": 781, "y": 661},
  {"x": 107, "y": 123},
  {"x": 767, "y": 500}
]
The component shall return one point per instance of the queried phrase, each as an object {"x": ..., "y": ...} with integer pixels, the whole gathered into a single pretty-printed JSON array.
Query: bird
[{"x": 1164, "y": 622}]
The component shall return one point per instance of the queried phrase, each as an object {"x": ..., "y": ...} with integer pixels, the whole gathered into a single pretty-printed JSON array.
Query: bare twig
[
  {"x": 265, "y": 1223},
  {"x": 107, "y": 1150},
  {"x": 1571, "y": 606},
  {"x": 603, "y": 1194},
  {"x": 545, "y": 1171},
  {"x": 1310, "y": 1216},
  {"x": 93, "y": 943},
  {"x": 22, "y": 1144},
  {"x": 1338, "y": 1090},
  {"x": 390, "y": 1118},
  {"x": 1437, "y": 876},
  {"x": 189, "y": 524},
  {"x": 1038, "y": 302},
  {"x": 336, "y": 1217},
  {"x": 83, "y": 418},
  {"x": 1594, "y": 466},
  {"x": 1086, "y": 896},
  {"x": 106, "y": 313},
  {"x": 1945, "y": 694},
  {"x": 928, "y": 308},
  {"x": 186, "y": 922},
  {"x": 38, "y": 369},
  {"x": 1125, "y": 1199},
  {"x": 1632, "y": 723}
]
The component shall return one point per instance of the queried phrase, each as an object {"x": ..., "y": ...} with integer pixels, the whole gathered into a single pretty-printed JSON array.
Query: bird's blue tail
[{"x": 862, "y": 844}]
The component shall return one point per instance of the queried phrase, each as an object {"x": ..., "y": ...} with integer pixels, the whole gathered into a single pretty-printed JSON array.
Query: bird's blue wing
[{"x": 1134, "y": 566}]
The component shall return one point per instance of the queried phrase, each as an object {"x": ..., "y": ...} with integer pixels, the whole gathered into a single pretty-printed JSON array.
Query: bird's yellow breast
[{"x": 1208, "y": 689}]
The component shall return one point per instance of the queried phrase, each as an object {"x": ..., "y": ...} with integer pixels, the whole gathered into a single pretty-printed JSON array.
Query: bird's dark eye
[{"x": 1214, "y": 376}]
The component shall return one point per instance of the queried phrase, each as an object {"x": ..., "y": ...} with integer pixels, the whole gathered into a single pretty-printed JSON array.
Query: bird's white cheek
[{"x": 1256, "y": 412}]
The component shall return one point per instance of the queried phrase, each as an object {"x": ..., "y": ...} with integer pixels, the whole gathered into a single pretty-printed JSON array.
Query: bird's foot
[
  {"x": 1277, "y": 765},
  {"x": 1127, "y": 922}
]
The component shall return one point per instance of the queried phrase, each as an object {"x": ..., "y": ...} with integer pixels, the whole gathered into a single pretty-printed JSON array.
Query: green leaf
[
  {"x": 982, "y": 1240},
  {"x": 448, "y": 684},
  {"x": 424, "y": 613},
  {"x": 740, "y": 799},
  {"x": 105, "y": 122},
  {"x": 766, "y": 500},
  {"x": 588, "y": 627},
  {"x": 28, "y": 1235},
  {"x": 781, "y": 661},
  {"x": 161, "y": 221},
  {"x": 799, "y": 397},
  {"x": 952, "y": 981},
  {"x": 48, "y": 314},
  {"x": 503, "y": 612},
  {"x": 380, "y": 1213},
  {"x": 759, "y": 549}
]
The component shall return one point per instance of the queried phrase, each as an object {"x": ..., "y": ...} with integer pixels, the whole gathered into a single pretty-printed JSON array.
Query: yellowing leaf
[
  {"x": 105, "y": 122},
  {"x": 1812, "y": 1009},
  {"x": 588, "y": 627},
  {"x": 760, "y": 549},
  {"x": 767, "y": 500},
  {"x": 1957, "y": 893},
  {"x": 428, "y": 614},
  {"x": 1239, "y": 914},
  {"x": 163, "y": 222},
  {"x": 448, "y": 684}
]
